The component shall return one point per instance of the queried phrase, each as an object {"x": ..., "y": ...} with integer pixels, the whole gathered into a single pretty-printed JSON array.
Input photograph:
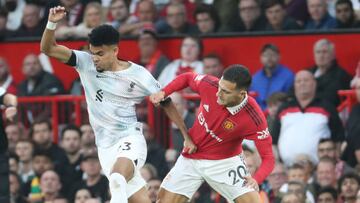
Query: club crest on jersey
[
  {"x": 131, "y": 88},
  {"x": 228, "y": 125}
]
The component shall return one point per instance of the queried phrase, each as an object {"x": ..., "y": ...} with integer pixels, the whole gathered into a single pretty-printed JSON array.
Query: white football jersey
[{"x": 111, "y": 97}]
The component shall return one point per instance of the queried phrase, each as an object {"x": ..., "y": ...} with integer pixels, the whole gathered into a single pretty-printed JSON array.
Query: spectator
[
  {"x": 119, "y": 10},
  {"x": 352, "y": 151},
  {"x": 277, "y": 19},
  {"x": 250, "y": 17},
  {"x": 291, "y": 198},
  {"x": 95, "y": 182},
  {"x": 6, "y": 80},
  {"x": 87, "y": 138},
  {"x": 155, "y": 152},
  {"x": 213, "y": 65},
  {"x": 327, "y": 195},
  {"x": 273, "y": 77},
  {"x": 82, "y": 195},
  {"x": 151, "y": 57},
  {"x": 329, "y": 75},
  {"x": 320, "y": 19},
  {"x": 358, "y": 197},
  {"x": 37, "y": 81},
  {"x": 274, "y": 102},
  {"x": 14, "y": 132},
  {"x": 189, "y": 5},
  {"x": 190, "y": 51},
  {"x": 298, "y": 188},
  {"x": 276, "y": 179},
  {"x": 348, "y": 186},
  {"x": 345, "y": 15},
  {"x": 304, "y": 120},
  {"x": 92, "y": 18},
  {"x": 176, "y": 22},
  {"x": 71, "y": 143},
  {"x": 31, "y": 24},
  {"x": 41, "y": 134},
  {"x": 146, "y": 19},
  {"x": 327, "y": 147},
  {"x": 41, "y": 162},
  {"x": 306, "y": 162},
  {"x": 148, "y": 172},
  {"x": 207, "y": 19},
  {"x": 153, "y": 189},
  {"x": 298, "y": 10},
  {"x": 50, "y": 185},
  {"x": 15, "y": 9},
  {"x": 188, "y": 116},
  {"x": 226, "y": 10},
  {"x": 325, "y": 174},
  {"x": 24, "y": 150},
  {"x": 15, "y": 193}
]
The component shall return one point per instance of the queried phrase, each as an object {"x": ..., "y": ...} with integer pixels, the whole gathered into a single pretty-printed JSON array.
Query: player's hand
[
  {"x": 56, "y": 14},
  {"x": 10, "y": 113},
  {"x": 189, "y": 146},
  {"x": 157, "y": 97},
  {"x": 251, "y": 183}
]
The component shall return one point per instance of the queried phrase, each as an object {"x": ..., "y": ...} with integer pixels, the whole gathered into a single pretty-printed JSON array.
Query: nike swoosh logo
[{"x": 100, "y": 76}]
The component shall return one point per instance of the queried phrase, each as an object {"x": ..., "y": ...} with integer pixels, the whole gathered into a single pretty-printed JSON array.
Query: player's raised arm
[{"x": 48, "y": 43}]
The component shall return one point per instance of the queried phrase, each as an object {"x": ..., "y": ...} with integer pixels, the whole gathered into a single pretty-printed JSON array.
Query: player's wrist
[{"x": 51, "y": 25}]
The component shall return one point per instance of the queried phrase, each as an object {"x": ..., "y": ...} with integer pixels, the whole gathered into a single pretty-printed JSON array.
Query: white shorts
[
  {"x": 132, "y": 147},
  {"x": 225, "y": 176}
]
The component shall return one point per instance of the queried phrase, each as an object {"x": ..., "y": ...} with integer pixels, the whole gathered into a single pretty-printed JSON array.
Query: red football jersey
[{"x": 218, "y": 133}]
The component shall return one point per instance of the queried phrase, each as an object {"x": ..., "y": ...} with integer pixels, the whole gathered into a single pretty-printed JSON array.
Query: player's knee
[{"x": 117, "y": 181}]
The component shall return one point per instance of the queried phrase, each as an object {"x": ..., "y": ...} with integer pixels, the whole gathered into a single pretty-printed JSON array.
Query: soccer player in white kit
[{"x": 112, "y": 88}]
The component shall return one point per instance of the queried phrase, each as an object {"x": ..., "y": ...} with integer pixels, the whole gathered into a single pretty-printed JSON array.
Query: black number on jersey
[
  {"x": 238, "y": 174},
  {"x": 126, "y": 147}
]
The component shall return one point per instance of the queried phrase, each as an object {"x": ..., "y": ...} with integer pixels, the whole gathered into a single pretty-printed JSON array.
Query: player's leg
[
  {"x": 140, "y": 196},
  {"x": 227, "y": 178},
  {"x": 165, "y": 196},
  {"x": 250, "y": 197},
  {"x": 181, "y": 182}
]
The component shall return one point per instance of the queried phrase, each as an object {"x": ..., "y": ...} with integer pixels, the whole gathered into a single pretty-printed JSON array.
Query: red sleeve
[
  {"x": 182, "y": 81},
  {"x": 264, "y": 147}
]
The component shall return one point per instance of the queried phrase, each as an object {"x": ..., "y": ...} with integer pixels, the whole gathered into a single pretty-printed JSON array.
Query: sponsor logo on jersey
[
  {"x": 199, "y": 77},
  {"x": 100, "y": 76},
  {"x": 263, "y": 134},
  {"x": 202, "y": 122},
  {"x": 99, "y": 95},
  {"x": 228, "y": 125},
  {"x": 131, "y": 88}
]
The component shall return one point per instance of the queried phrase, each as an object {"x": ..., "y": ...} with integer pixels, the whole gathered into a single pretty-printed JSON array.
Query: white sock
[{"x": 118, "y": 188}]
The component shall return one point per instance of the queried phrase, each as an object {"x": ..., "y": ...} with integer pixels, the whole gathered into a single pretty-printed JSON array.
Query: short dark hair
[
  {"x": 209, "y": 9},
  {"x": 348, "y": 2},
  {"x": 127, "y": 3},
  {"x": 43, "y": 153},
  {"x": 296, "y": 166},
  {"x": 198, "y": 42},
  {"x": 327, "y": 159},
  {"x": 271, "y": 3},
  {"x": 328, "y": 189},
  {"x": 272, "y": 47},
  {"x": 213, "y": 56},
  {"x": 277, "y": 97},
  {"x": 238, "y": 74},
  {"x": 70, "y": 127},
  {"x": 150, "y": 32},
  {"x": 38, "y": 121},
  {"x": 104, "y": 35},
  {"x": 322, "y": 140}
]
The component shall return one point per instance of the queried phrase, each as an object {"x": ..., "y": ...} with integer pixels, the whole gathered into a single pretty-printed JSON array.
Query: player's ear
[{"x": 116, "y": 50}]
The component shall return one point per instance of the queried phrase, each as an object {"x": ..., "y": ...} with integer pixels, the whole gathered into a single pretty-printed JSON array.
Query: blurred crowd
[{"x": 317, "y": 151}]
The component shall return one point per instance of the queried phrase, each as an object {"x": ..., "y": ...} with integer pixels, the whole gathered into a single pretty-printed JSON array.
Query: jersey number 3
[{"x": 125, "y": 146}]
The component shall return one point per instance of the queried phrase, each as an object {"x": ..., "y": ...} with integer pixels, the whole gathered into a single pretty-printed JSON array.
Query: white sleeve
[
  {"x": 83, "y": 60},
  {"x": 2, "y": 91},
  {"x": 149, "y": 83}
]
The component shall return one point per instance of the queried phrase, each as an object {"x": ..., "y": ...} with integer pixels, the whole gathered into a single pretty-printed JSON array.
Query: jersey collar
[{"x": 235, "y": 109}]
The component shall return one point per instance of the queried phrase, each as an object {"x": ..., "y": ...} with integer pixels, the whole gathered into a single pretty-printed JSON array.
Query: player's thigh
[
  {"x": 226, "y": 176},
  {"x": 183, "y": 179},
  {"x": 140, "y": 196},
  {"x": 250, "y": 197},
  {"x": 165, "y": 196}
]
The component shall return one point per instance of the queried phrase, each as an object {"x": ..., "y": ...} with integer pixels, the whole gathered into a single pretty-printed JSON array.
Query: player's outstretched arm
[
  {"x": 48, "y": 43},
  {"x": 173, "y": 114}
]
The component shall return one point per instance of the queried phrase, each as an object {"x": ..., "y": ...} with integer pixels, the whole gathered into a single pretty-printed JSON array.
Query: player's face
[
  {"x": 104, "y": 56},
  {"x": 228, "y": 95}
]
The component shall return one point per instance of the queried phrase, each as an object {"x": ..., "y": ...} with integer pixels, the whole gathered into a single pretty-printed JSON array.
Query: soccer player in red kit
[{"x": 227, "y": 115}]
